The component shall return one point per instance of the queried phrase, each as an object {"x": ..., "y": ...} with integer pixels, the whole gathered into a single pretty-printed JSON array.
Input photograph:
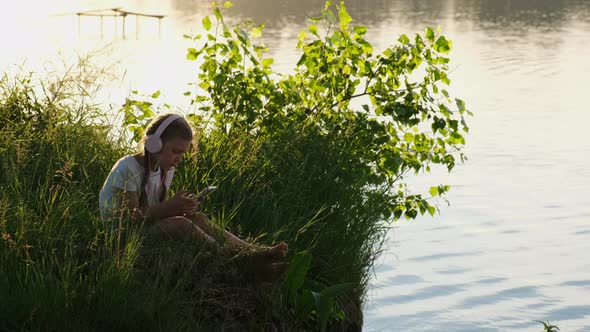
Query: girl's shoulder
[
  {"x": 130, "y": 163},
  {"x": 125, "y": 174}
]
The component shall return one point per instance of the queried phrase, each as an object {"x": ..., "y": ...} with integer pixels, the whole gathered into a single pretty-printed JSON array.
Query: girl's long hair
[{"x": 178, "y": 128}]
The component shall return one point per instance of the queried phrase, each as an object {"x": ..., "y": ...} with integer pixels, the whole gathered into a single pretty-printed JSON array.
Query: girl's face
[{"x": 172, "y": 152}]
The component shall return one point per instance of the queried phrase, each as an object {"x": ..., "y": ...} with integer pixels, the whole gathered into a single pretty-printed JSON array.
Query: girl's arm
[
  {"x": 130, "y": 204},
  {"x": 175, "y": 206}
]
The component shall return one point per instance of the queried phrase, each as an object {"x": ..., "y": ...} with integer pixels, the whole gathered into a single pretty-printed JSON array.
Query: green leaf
[
  {"x": 218, "y": 15},
  {"x": 256, "y": 32},
  {"x": 267, "y": 62},
  {"x": 456, "y": 138},
  {"x": 346, "y": 70},
  {"x": 429, "y": 34},
  {"x": 156, "y": 94},
  {"x": 445, "y": 79},
  {"x": 242, "y": 36},
  {"x": 305, "y": 304},
  {"x": 403, "y": 39},
  {"x": 433, "y": 191},
  {"x": 442, "y": 45},
  {"x": 207, "y": 23},
  {"x": 200, "y": 99},
  {"x": 431, "y": 210},
  {"x": 227, "y": 4},
  {"x": 323, "y": 305},
  {"x": 408, "y": 137},
  {"x": 148, "y": 113},
  {"x": 315, "y": 19},
  {"x": 411, "y": 214},
  {"x": 345, "y": 19},
  {"x": 367, "y": 48},
  {"x": 337, "y": 290},
  {"x": 313, "y": 29},
  {"x": 297, "y": 271},
  {"x": 360, "y": 30},
  {"x": 460, "y": 105},
  {"x": 129, "y": 118},
  {"x": 301, "y": 38}
]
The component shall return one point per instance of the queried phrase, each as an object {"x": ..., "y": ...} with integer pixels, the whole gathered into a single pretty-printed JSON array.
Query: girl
[{"x": 137, "y": 185}]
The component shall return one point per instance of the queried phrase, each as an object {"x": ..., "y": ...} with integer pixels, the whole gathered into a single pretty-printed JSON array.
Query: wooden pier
[{"x": 115, "y": 13}]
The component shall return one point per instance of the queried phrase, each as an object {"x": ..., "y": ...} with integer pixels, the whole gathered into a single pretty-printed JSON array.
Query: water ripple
[
  {"x": 540, "y": 305},
  {"x": 504, "y": 295},
  {"x": 406, "y": 279},
  {"x": 453, "y": 271},
  {"x": 421, "y": 294},
  {"x": 441, "y": 256},
  {"x": 569, "y": 312},
  {"x": 490, "y": 280},
  {"x": 583, "y": 283},
  {"x": 510, "y": 231}
]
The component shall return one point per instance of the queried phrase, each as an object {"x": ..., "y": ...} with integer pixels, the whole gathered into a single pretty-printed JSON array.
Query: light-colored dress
[{"x": 126, "y": 175}]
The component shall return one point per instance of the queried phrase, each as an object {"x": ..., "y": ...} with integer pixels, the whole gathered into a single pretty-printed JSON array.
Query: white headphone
[{"x": 153, "y": 143}]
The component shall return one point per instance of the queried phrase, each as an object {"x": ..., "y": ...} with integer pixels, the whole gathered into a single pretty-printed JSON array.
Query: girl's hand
[{"x": 181, "y": 204}]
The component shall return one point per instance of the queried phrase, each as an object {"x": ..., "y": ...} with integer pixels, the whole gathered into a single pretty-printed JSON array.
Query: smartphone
[{"x": 205, "y": 192}]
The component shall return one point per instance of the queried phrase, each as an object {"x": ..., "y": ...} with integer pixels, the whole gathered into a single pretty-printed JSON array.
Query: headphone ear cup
[{"x": 153, "y": 144}]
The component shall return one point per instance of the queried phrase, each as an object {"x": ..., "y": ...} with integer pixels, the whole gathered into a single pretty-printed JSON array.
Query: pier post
[
  {"x": 124, "y": 17},
  {"x": 115, "y": 13}
]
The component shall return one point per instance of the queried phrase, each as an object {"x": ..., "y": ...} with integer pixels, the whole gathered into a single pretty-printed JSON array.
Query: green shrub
[{"x": 298, "y": 159}]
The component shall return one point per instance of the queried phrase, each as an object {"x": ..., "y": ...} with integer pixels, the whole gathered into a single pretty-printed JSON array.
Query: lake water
[{"x": 514, "y": 245}]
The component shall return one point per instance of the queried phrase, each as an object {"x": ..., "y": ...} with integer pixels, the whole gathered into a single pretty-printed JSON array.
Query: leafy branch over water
[{"x": 394, "y": 105}]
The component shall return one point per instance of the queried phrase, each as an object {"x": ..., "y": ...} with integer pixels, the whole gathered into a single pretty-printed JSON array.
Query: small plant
[
  {"x": 311, "y": 300},
  {"x": 549, "y": 327}
]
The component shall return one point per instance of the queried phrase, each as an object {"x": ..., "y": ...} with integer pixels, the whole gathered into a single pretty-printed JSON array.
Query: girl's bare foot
[
  {"x": 276, "y": 252},
  {"x": 263, "y": 262}
]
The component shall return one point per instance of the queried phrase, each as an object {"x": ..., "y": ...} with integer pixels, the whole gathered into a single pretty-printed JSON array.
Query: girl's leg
[
  {"x": 182, "y": 228},
  {"x": 201, "y": 220},
  {"x": 261, "y": 261}
]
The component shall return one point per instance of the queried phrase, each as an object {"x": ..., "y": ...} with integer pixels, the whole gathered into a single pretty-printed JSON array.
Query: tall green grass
[{"x": 62, "y": 268}]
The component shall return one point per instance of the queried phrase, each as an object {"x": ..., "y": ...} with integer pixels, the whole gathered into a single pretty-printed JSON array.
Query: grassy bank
[
  {"x": 293, "y": 159},
  {"x": 62, "y": 268}
]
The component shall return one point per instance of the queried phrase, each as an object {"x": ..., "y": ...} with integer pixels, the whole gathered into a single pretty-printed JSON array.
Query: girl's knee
[
  {"x": 175, "y": 225},
  {"x": 200, "y": 218}
]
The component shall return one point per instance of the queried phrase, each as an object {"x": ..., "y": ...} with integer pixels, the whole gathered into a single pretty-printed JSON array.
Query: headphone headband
[
  {"x": 153, "y": 143},
  {"x": 165, "y": 124}
]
